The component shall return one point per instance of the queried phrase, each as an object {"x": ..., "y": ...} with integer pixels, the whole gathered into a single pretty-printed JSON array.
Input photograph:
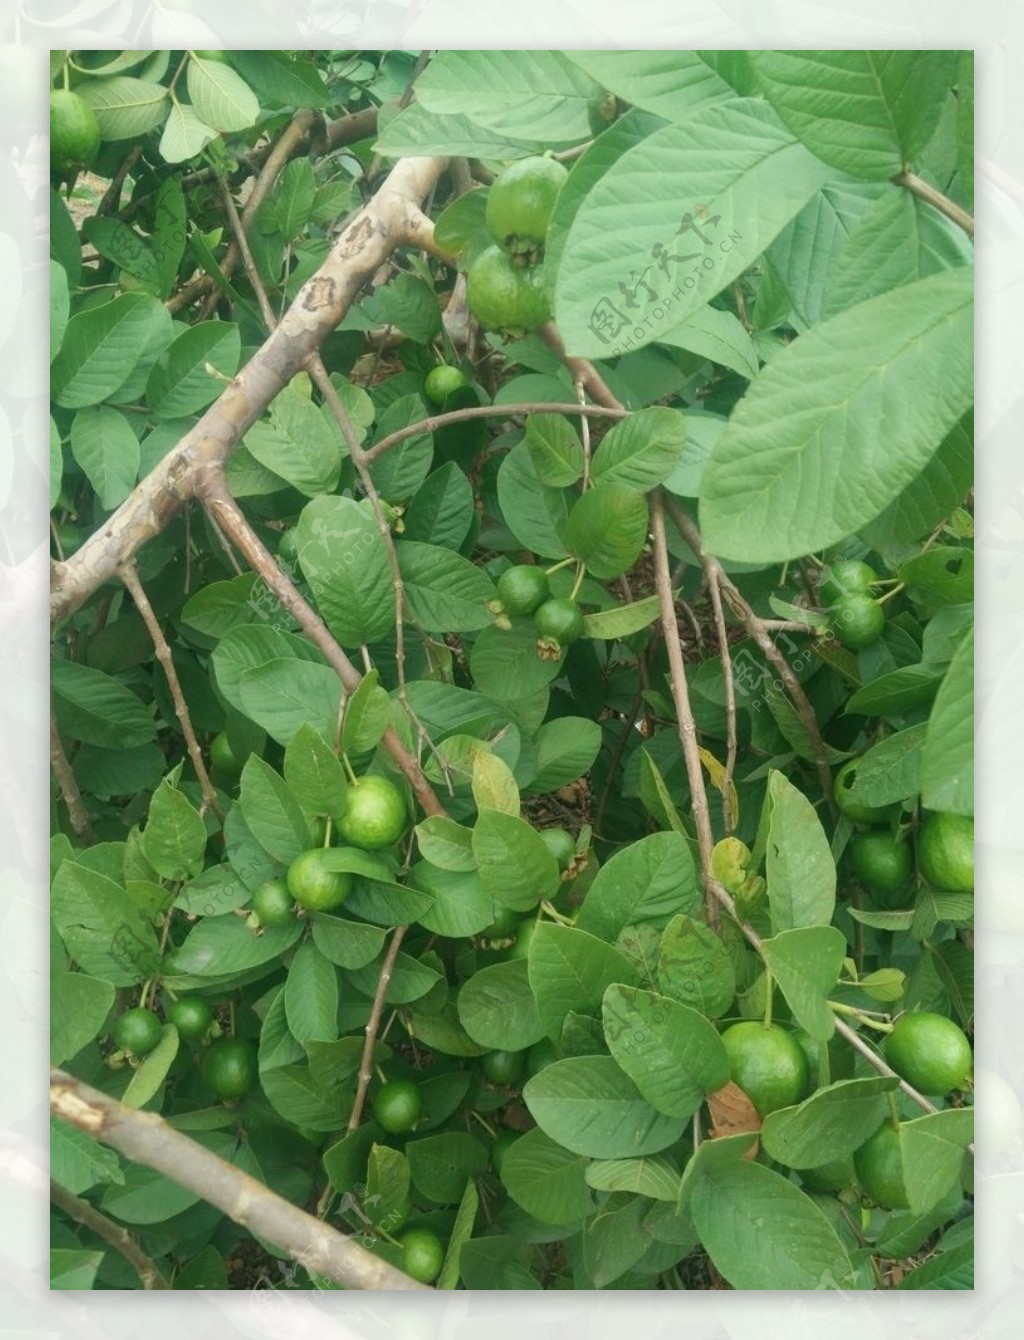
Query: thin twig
[
  {"x": 112, "y": 195},
  {"x": 436, "y": 421},
  {"x": 119, "y": 1238},
  {"x": 68, "y": 784},
  {"x": 756, "y": 629},
  {"x": 731, "y": 745},
  {"x": 216, "y": 497},
  {"x": 681, "y": 698},
  {"x": 373, "y": 1024},
  {"x": 144, "y": 1137},
  {"x": 130, "y": 577},
  {"x": 916, "y": 186}
]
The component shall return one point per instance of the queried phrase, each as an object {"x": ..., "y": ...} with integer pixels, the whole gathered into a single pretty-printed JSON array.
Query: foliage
[{"x": 511, "y": 1042}]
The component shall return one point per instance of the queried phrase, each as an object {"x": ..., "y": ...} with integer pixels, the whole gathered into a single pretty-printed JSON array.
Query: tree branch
[
  {"x": 119, "y": 1238},
  {"x": 681, "y": 698},
  {"x": 144, "y": 1137},
  {"x": 323, "y": 300},
  {"x": 130, "y": 577},
  {"x": 373, "y": 1026},
  {"x": 582, "y": 371},
  {"x": 68, "y": 783}
]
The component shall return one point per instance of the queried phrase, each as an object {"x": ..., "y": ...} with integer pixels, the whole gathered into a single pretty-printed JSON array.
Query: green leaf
[
  {"x": 174, "y": 839},
  {"x": 515, "y": 866},
  {"x": 896, "y": 692},
  {"x": 282, "y": 79},
  {"x": 607, "y": 529},
  {"x": 461, "y": 1233},
  {"x": 534, "y": 512},
  {"x": 497, "y": 1009},
  {"x": 56, "y": 464},
  {"x": 272, "y": 812},
  {"x": 570, "y": 971},
  {"x": 761, "y": 1232},
  {"x": 101, "y": 346},
  {"x": 297, "y": 444},
  {"x": 717, "y": 336},
  {"x": 314, "y": 773},
  {"x": 71, "y": 1268},
  {"x": 695, "y": 968},
  {"x": 613, "y": 1239},
  {"x": 311, "y": 996},
  {"x": 834, "y": 384},
  {"x": 533, "y": 95},
  {"x": 799, "y": 867},
  {"x": 152, "y": 1072},
  {"x": 399, "y": 473},
  {"x": 947, "y": 759},
  {"x": 806, "y": 964},
  {"x": 169, "y": 232},
  {"x": 622, "y": 620},
  {"x": 103, "y": 444},
  {"x": 221, "y": 97},
  {"x": 936, "y": 491},
  {"x": 185, "y": 134},
  {"x": 102, "y": 929},
  {"x": 441, "y": 510},
  {"x": 126, "y": 108},
  {"x": 343, "y": 558},
  {"x": 349, "y": 944},
  {"x": 555, "y": 449},
  {"x": 446, "y": 844},
  {"x": 591, "y": 1107},
  {"x": 115, "y": 241},
  {"x": 642, "y": 450},
  {"x": 830, "y": 1124},
  {"x": 180, "y": 382},
  {"x": 223, "y": 946},
  {"x": 444, "y": 591},
  {"x": 674, "y": 220},
  {"x": 869, "y": 113},
  {"x": 410, "y": 304},
  {"x": 60, "y": 306},
  {"x": 79, "y": 1005},
  {"x": 367, "y": 715},
  {"x": 284, "y": 694},
  {"x": 494, "y": 785},
  {"x": 889, "y": 772},
  {"x": 441, "y": 1165},
  {"x": 547, "y": 1180},
  {"x": 651, "y": 880},
  {"x": 654, "y": 1178},
  {"x": 461, "y": 905},
  {"x": 94, "y": 708},
  {"x": 932, "y": 1149},
  {"x": 942, "y": 575},
  {"x": 672, "y": 1054},
  {"x": 566, "y": 748},
  {"x": 505, "y": 665},
  {"x": 77, "y": 1162},
  {"x": 669, "y": 83}
]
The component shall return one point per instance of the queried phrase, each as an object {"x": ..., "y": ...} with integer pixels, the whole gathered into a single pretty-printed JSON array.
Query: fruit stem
[
  {"x": 894, "y": 1108},
  {"x": 554, "y": 914},
  {"x": 860, "y": 1016},
  {"x": 349, "y": 770},
  {"x": 328, "y": 829},
  {"x": 557, "y": 567},
  {"x": 580, "y": 574},
  {"x": 486, "y": 1125},
  {"x": 880, "y": 600}
]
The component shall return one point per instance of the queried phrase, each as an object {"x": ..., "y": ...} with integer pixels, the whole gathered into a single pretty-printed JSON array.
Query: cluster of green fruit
[
  {"x": 772, "y": 1067},
  {"x": 228, "y": 1065},
  {"x": 857, "y": 619},
  {"x": 883, "y": 861},
  {"x": 524, "y": 590},
  {"x": 505, "y": 282}
]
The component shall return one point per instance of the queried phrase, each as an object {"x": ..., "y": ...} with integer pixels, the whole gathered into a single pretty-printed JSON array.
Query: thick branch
[
  {"x": 119, "y": 1238},
  {"x": 321, "y": 303},
  {"x": 228, "y": 515},
  {"x": 582, "y": 371},
  {"x": 144, "y": 1137}
]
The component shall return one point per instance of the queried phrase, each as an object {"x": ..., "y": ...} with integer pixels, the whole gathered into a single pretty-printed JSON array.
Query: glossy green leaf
[{"x": 607, "y": 528}]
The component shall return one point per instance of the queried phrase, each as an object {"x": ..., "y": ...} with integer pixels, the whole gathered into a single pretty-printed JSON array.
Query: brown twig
[
  {"x": 756, "y": 629},
  {"x": 731, "y": 742},
  {"x": 119, "y": 1238},
  {"x": 68, "y": 784},
  {"x": 582, "y": 370},
  {"x": 916, "y": 186},
  {"x": 681, "y": 698},
  {"x": 373, "y": 1024},
  {"x": 216, "y": 497},
  {"x": 112, "y": 195},
  {"x": 130, "y": 577},
  {"x": 144, "y": 1137},
  {"x": 436, "y": 421}
]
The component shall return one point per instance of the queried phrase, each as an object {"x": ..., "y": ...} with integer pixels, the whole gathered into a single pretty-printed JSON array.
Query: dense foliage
[{"x": 536, "y": 839}]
